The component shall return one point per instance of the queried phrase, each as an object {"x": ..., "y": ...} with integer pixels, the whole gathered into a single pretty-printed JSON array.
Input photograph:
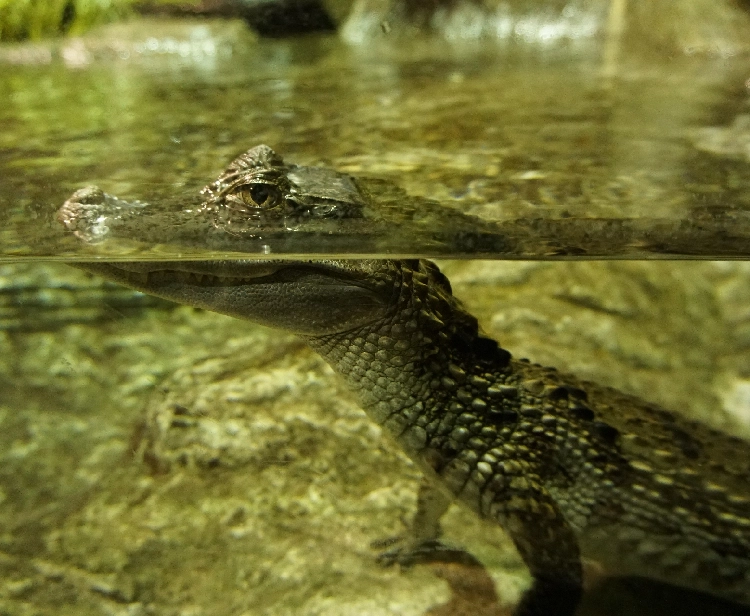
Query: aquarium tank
[{"x": 374, "y": 307}]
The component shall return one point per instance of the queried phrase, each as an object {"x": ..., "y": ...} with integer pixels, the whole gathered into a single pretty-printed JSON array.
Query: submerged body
[{"x": 569, "y": 469}]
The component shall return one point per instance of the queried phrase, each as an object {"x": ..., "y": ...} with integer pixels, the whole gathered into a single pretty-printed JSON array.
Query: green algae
[{"x": 30, "y": 19}]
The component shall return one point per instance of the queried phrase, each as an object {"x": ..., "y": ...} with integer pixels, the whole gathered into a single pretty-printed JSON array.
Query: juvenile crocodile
[
  {"x": 568, "y": 468},
  {"x": 260, "y": 202}
]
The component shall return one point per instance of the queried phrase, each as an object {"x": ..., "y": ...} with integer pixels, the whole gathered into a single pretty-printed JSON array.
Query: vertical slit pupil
[{"x": 261, "y": 193}]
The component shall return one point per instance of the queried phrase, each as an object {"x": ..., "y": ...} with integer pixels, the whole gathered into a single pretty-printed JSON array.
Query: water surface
[{"x": 535, "y": 142}]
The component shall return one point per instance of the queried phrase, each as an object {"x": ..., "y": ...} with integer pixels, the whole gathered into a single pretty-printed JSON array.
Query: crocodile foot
[{"x": 472, "y": 589}]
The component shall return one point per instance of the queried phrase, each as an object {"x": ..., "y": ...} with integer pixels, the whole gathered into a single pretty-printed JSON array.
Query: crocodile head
[{"x": 257, "y": 193}]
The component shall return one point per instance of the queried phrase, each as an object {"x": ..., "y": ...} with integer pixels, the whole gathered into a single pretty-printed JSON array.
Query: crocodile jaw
[{"x": 310, "y": 298}]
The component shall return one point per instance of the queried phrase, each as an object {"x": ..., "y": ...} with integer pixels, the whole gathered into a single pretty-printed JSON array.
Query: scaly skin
[{"x": 567, "y": 468}]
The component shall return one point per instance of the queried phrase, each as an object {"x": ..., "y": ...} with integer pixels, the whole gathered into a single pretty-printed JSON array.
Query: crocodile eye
[{"x": 258, "y": 195}]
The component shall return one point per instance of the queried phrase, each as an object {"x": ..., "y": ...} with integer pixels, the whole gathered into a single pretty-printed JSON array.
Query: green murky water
[
  {"x": 534, "y": 142},
  {"x": 263, "y": 495}
]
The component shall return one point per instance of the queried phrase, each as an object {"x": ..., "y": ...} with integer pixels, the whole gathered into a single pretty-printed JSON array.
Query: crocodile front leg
[
  {"x": 550, "y": 550},
  {"x": 544, "y": 539}
]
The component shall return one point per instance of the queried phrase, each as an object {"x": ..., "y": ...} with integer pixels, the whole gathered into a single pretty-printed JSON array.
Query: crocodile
[
  {"x": 570, "y": 469},
  {"x": 262, "y": 203}
]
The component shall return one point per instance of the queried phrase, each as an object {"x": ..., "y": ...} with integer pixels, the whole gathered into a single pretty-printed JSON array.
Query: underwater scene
[{"x": 265, "y": 266}]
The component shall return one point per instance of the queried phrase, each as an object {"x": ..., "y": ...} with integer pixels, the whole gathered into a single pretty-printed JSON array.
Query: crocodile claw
[{"x": 425, "y": 552}]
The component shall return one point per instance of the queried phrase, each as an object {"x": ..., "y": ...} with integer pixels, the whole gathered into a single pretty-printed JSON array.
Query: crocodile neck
[
  {"x": 452, "y": 398},
  {"x": 408, "y": 368}
]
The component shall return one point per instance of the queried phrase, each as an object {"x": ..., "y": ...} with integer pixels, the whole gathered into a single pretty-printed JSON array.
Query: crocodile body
[{"x": 568, "y": 468}]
